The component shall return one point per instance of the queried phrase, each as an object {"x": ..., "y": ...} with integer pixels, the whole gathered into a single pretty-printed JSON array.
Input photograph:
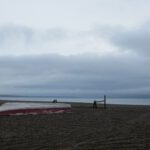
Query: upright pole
[{"x": 104, "y": 101}]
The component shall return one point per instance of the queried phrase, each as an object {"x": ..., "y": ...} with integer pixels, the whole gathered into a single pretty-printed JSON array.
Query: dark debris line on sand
[{"x": 117, "y": 127}]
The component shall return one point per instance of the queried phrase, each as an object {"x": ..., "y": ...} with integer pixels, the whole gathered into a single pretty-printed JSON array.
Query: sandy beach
[{"x": 117, "y": 127}]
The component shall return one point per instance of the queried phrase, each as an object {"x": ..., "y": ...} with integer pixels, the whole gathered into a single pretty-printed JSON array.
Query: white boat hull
[{"x": 33, "y": 108}]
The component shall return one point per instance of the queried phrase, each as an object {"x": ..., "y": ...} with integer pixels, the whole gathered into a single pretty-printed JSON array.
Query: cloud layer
[
  {"x": 80, "y": 75},
  {"x": 89, "y": 63}
]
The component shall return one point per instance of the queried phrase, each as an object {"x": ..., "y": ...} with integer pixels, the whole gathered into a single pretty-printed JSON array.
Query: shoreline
[{"x": 77, "y": 104}]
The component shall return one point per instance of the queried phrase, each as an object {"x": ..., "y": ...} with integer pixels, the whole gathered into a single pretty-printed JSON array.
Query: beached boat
[{"x": 20, "y": 108}]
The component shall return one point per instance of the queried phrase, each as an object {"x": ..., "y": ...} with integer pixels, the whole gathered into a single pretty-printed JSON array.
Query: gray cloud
[
  {"x": 74, "y": 75},
  {"x": 135, "y": 40}
]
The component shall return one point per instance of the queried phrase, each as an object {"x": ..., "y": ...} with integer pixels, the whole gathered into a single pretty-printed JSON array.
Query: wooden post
[{"x": 104, "y": 101}]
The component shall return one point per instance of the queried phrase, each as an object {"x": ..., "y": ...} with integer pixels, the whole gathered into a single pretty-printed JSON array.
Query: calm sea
[{"x": 128, "y": 101}]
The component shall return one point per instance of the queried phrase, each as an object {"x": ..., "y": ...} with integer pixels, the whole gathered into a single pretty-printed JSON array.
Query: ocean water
[{"x": 126, "y": 101}]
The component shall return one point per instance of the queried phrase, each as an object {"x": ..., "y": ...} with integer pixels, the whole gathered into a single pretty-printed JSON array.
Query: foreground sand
[{"x": 117, "y": 127}]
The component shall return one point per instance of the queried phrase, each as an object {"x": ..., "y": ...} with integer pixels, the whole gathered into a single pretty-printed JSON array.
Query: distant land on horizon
[{"x": 80, "y": 96}]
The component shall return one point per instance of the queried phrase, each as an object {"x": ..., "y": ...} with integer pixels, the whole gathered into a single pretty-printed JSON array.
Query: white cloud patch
[{"x": 18, "y": 40}]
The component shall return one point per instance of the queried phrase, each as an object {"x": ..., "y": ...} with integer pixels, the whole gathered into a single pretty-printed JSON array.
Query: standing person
[{"x": 94, "y": 104}]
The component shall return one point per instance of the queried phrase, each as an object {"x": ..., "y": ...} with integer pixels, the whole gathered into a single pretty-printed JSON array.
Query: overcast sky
[{"x": 75, "y": 47}]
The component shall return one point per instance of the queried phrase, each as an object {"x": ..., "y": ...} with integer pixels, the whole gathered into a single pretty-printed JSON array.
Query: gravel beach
[{"x": 118, "y": 127}]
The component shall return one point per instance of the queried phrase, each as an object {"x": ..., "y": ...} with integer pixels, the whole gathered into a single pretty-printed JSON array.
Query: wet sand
[{"x": 117, "y": 127}]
